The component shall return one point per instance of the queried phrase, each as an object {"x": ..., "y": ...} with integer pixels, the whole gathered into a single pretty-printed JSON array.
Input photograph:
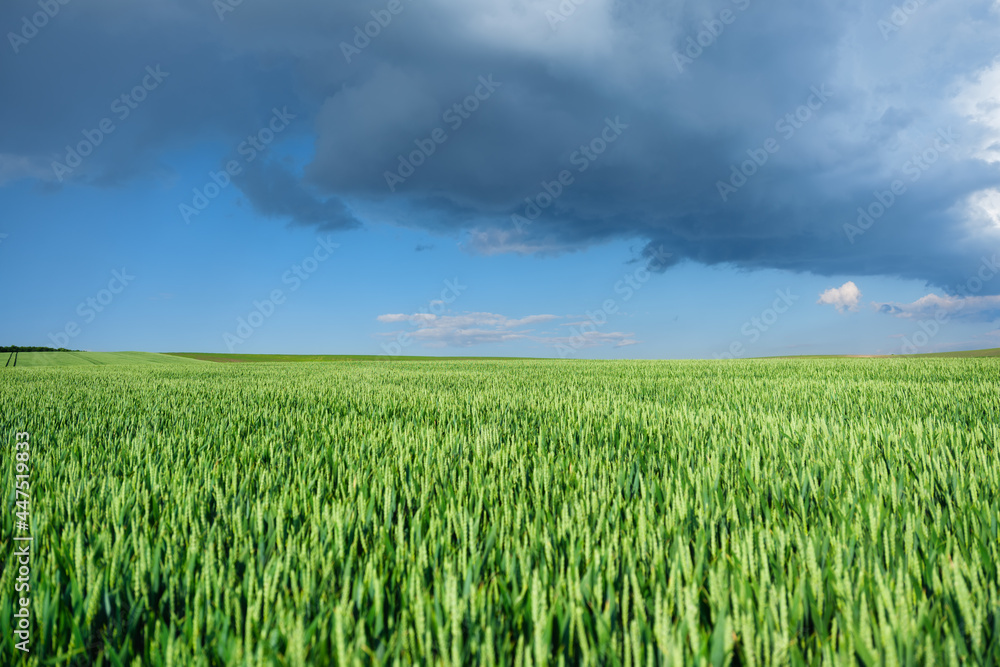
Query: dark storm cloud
[
  {"x": 276, "y": 192},
  {"x": 889, "y": 86}
]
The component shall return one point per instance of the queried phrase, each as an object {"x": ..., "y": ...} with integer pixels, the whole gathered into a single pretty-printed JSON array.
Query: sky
[{"x": 541, "y": 178}]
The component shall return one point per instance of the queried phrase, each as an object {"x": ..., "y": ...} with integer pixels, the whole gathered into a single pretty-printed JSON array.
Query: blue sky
[{"x": 693, "y": 201}]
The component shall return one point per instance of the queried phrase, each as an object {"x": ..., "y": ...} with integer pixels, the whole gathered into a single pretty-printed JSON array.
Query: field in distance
[
  {"x": 967, "y": 354},
  {"x": 92, "y": 359},
  {"x": 243, "y": 358},
  {"x": 35, "y": 359},
  {"x": 962, "y": 354},
  {"x": 292, "y": 358}
]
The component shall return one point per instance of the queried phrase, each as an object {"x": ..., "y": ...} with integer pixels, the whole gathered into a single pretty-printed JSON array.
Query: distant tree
[{"x": 16, "y": 348}]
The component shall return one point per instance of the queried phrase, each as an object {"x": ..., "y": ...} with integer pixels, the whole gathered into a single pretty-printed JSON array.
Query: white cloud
[
  {"x": 983, "y": 208},
  {"x": 467, "y": 329},
  {"x": 530, "y": 319},
  {"x": 981, "y": 308},
  {"x": 846, "y": 297},
  {"x": 415, "y": 318},
  {"x": 494, "y": 241},
  {"x": 979, "y": 101}
]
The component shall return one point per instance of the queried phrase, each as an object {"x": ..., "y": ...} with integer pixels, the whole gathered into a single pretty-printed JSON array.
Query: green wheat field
[{"x": 507, "y": 512}]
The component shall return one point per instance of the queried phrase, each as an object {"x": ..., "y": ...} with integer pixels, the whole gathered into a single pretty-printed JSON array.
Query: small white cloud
[
  {"x": 394, "y": 318},
  {"x": 846, "y": 297},
  {"x": 466, "y": 329},
  {"x": 976, "y": 308},
  {"x": 493, "y": 241},
  {"x": 530, "y": 319}
]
